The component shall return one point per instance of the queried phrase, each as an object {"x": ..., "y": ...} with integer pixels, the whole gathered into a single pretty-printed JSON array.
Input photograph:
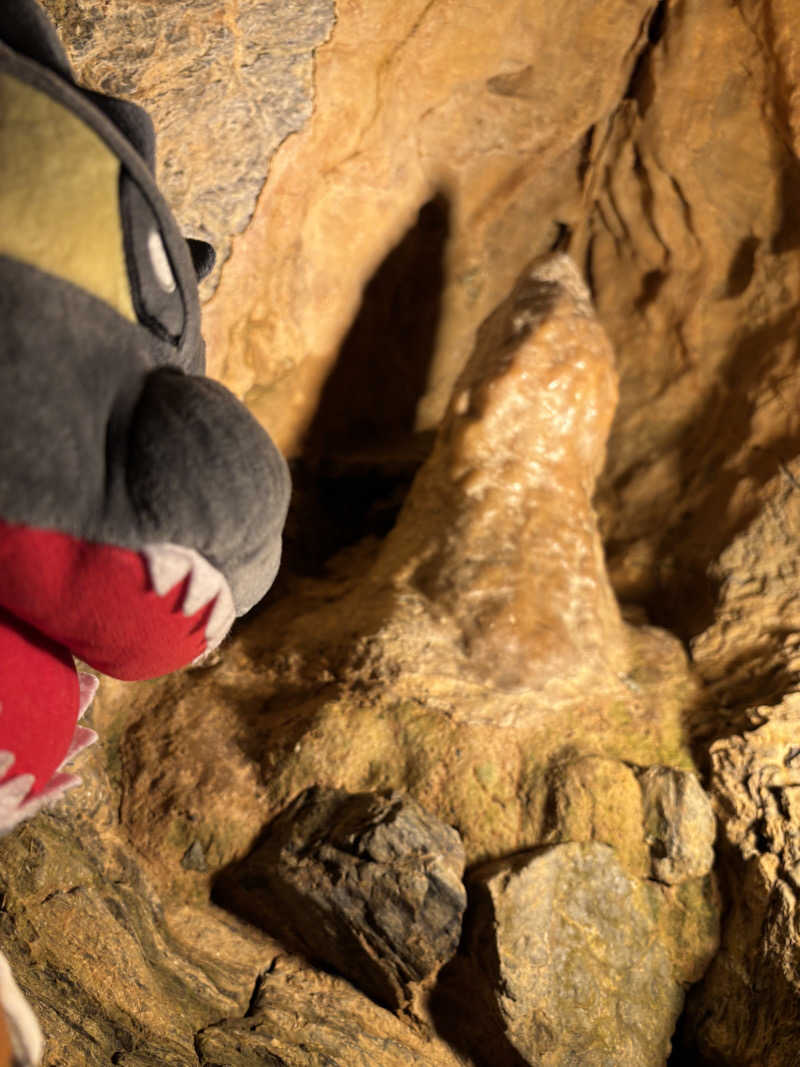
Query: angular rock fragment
[
  {"x": 498, "y": 535},
  {"x": 570, "y": 943},
  {"x": 679, "y": 824},
  {"x": 659, "y": 821},
  {"x": 368, "y": 884}
]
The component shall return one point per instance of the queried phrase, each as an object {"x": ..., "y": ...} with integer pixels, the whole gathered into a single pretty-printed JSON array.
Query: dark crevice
[
  {"x": 742, "y": 268},
  {"x": 640, "y": 84},
  {"x": 586, "y": 153},
  {"x": 588, "y": 268},
  {"x": 560, "y": 242},
  {"x": 655, "y": 28}
]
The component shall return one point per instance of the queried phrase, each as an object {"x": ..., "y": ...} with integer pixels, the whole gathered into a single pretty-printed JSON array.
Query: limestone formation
[
  {"x": 571, "y": 945},
  {"x": 745, "y": 1010},
  {"x": 369, "y": 885},
  {"x": 498, "y": 533},
  {"x": 400, "y": 169}
]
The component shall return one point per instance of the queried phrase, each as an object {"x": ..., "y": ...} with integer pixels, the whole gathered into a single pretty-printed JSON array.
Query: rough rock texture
[
  {"x": 299, "y": 1018},
  {"x": 750, "y": 653},
  {"x": 690, "y": 238},
  {"x": 225, "y": 84},
  {"x": 572, "y": 946},
  {"x": 679, "y": 824},
  {"x": 112, "y": 974},
  {"x": 659, "y": 822},
  {"x": 745, "y": 1010},
  {"x": 472, "y": 102},
  {"x": 449, "y": 145},
  {"x": 370, "y": 885}
]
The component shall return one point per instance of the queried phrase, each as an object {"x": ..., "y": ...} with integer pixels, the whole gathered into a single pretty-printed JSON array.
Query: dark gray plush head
[{"x": 109, "y": 431}]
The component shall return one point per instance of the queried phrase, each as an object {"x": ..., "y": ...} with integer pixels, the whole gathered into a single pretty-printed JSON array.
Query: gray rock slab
[{"x": 369, "y": 884}]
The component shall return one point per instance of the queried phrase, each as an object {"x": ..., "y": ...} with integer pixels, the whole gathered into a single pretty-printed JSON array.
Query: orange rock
[{"x": 474, "y": 102}]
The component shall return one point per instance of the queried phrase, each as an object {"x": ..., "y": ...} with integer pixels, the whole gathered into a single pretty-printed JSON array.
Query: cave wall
[{"x": 378, "y": 179}]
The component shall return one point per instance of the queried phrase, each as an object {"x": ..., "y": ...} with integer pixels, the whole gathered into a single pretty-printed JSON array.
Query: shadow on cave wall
[{"x": 361, "y": 451}]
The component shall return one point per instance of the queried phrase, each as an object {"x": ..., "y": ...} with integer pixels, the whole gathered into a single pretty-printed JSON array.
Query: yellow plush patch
[{"x": 59, "y": 198}]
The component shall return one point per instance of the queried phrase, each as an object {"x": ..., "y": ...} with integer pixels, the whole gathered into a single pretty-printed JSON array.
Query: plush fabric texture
[{"x": 141, "y": 505}]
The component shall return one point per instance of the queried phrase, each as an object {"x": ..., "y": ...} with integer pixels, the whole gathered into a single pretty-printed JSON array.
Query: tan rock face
[
  {"x": 750, "y": 651},
  {"x": 690, "y": 239},
  {"x": 473, "y": 102},
  {"x": 449, "y": 145}
]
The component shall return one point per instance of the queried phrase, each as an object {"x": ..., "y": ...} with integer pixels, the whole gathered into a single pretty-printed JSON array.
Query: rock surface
[
  {"x": 690, "y": 237},
  {"x": 473, "y": 103},
  {"x": 338, "y": 1027},
  {"x": 225, "y": 85},
  {"x": 369, "y": 885},
  {"x": 660, "y": 822},
  {"x": 750, "y": 652},
  {"x": 498, "y": 532},
  {"x": 572, "y": 946},
  {"x": 745, "y": 1010},
  {"x": 657, "y": 143},
  {"x": 679, "y": 822}
]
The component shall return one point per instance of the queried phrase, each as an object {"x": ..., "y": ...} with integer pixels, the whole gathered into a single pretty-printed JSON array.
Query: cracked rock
[
  {"x": 368, "y": 884},
  {"x": 339, "y": 1028},
  {"x": 224, "y": 89},
  {"x": 570, "y": 944}
]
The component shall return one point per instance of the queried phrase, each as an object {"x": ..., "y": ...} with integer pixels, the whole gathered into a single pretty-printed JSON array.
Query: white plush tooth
[
  {"x": 56, "y": 788},
  {"x": 88, "y": 687},
  {"x": 203, "y": 586},
  {"x": 6, "y": 762},
  {"x": 81, "y": 739},
  {"x": 168, "y": 565},
  {"x": 16, "y": 788},
  {"x": 221, "y": 618},
  {"x": 12, "y": 793},
  {"x": 26, "y": 1037}
]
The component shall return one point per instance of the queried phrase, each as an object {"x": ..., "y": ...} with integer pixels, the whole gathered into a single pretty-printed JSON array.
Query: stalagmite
[{"x": 498, "y": 534}]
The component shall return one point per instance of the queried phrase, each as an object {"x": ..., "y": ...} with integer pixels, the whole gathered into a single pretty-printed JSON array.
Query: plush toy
[{"x": 141, "y": 505}]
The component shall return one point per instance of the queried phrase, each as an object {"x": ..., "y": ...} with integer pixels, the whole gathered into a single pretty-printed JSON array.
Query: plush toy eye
[
  {"x": 158, "y": 258},
  {"x": 155, "y": 292}
]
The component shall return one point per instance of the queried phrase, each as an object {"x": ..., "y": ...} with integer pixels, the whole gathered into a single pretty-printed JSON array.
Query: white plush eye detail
[{"x": 158, "y": 258}]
